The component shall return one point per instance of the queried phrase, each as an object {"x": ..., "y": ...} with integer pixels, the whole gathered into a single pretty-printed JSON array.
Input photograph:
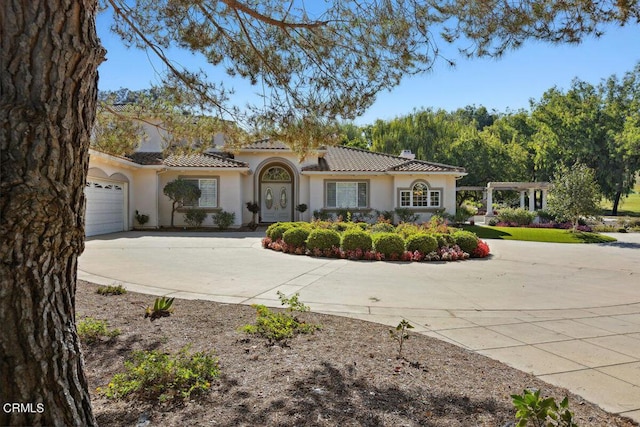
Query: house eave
[
  {"x": 345, "y": 173},
  {"x": 113, "y": 159},
  {"x": 457, "y": 174}
]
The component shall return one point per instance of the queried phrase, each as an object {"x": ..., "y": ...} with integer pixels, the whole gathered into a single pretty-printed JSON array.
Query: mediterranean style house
[{"x": 330, "y": 179}]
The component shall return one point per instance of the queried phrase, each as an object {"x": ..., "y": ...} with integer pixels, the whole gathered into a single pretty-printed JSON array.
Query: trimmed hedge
[
  {"x": 323, "y": 239},
  {"x": 382, "y": 227},
  {"x": 296, "y": 236},
  {"x": 422, "y": 242},
  {"x": 444, "y": 240},
  {"x": 467, "y": 240},
  {"x": 355, "y": 238},
  {"x": 388, "y": 244}
]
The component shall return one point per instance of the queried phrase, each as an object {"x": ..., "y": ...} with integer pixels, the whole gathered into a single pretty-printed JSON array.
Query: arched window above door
[{"x": 276, "y": 174}]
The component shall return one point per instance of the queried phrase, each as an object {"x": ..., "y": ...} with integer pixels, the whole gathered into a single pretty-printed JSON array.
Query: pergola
[{"x": 522, "y": 187}]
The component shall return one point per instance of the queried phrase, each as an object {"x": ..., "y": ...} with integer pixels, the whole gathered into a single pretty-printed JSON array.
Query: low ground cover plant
[
  {"x": 431, "y": 241},
  {"x": 162, "y": 307},
  {"x": 111, "y": 290},
  {"x": 157, "y": 376},
  {"x": 532, "y": 409},
  {"x": 278, "y": 326},
  {"x": 92, "y": 330}
]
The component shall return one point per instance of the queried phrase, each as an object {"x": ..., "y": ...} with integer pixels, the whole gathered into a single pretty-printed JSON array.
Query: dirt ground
[{"x": 345, "y": 374}]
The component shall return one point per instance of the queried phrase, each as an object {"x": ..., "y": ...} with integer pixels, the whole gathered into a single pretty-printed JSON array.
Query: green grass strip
[{"x": 551, "y": 235}]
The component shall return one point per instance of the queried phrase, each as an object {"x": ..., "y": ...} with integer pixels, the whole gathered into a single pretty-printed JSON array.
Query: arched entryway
[{"x": 276, "y": 193}]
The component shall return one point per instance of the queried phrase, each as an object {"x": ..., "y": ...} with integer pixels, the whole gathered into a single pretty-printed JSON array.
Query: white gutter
[{"x": 114, "y": 159}]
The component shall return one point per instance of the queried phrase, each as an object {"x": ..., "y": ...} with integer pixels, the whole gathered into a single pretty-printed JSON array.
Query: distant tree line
[{"x": 595, "y": 125}]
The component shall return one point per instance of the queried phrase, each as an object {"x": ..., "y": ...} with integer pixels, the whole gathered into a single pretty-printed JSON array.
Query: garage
[{"x": 106, "y": 206}]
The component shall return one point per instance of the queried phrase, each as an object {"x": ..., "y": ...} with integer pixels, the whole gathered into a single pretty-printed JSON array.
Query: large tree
[{"x": 316, "y": 61}]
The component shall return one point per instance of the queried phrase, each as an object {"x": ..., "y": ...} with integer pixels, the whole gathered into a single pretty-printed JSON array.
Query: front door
[
  {"x": 276, "y": 202},
  {"x": 276, "y": 198}
]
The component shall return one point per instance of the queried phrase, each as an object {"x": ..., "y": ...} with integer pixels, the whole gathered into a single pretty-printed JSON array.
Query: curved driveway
[{"x": 569, "y": 314}]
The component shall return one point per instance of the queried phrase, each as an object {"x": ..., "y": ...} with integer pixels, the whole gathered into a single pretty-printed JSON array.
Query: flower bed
[{"x": 341, "y": 240}]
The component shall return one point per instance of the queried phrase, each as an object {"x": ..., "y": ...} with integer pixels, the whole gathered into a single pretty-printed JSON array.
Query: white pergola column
[
  {"x": 544, "y": 199},
  {"x": 521, "y": 199},
  {"x": 532, "y": 199},
  {"x": 489, "y": 201}
]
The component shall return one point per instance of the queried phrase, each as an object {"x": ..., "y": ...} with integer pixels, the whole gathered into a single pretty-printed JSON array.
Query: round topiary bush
[
  {"x": 422, "y": 242},
  {"x": 322, "y": 238},
  {"x": 275, "y": 231},
  {"x": 296, "y": 236},
  {"x": 388, "y": 244},
  {"x": 355, "y": 238},
  {"x": 467, "y": 240},
  {"x": 382, "y": 227}
]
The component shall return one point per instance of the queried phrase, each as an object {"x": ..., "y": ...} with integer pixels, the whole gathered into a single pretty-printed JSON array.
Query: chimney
[{"x": 407, "y": 154}]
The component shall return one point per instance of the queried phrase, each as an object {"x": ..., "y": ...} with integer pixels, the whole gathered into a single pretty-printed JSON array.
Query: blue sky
[{"x": 500, "y": 84}]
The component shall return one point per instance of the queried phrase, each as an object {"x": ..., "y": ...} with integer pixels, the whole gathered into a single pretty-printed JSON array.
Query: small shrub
[
  {"x": 406, "y": 215},
  {"x": 422, "y": 242},
  {"x": 280, "y": 326},
  {"x": 493, "y": 222},
  {"x": 385, "y": 216},
  {"x": 517, "y": 216},
  {"x": 302, "y": 208},
  {"x": 481, "y": 251},
  {"x": 154, "y": 375},
  {"x": 444, "y": 240},
  {"x": 323, "y": 239},
  {"x": 341, "y": 227},
  {"x": 463, "y": 213},
  {"x": 467, "y": 241},
  {"x": 296, "y": 236},
  {"x": 90, "y": 330},
  {"x": 141, "y": 219},
  {"x": 224, "y": 219},
  {"x": 162, "y": 307},
  {"x": 276, "y": 231},
  {"x": 545, "y": 216},
  {"x": 321, "y": 215},
  {"x": 400, "y": 334},
  {"x": 382, "y": 227},
  {"x": 541, "y": 411},
  {"x": 388, "y": 244},
  {"x": 355, "y": 238},
  {"x": 406, "y": 229},
  {"x": 111, "y": 290},
  {"x": 195, "y": 217}
]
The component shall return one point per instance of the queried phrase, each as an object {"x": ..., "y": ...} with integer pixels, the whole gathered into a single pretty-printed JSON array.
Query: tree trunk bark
[
  {"x": 616, "y": 203},
  {"x": 49, "y": 54}
]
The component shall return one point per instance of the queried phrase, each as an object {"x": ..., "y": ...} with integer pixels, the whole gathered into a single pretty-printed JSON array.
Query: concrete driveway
[{"x": 569, "y": 314}]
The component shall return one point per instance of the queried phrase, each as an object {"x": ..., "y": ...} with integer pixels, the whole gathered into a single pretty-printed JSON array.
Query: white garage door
[{"x": 105, "y": 207}]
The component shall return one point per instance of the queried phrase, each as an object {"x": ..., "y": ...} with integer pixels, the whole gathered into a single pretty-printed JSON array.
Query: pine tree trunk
[{"x": 49, "y": 53}]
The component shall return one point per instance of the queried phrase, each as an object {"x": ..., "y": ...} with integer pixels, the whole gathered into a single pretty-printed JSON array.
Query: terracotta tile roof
[
  {"x": 195, "y": 160},
  {"x": 265, "y": 144},
  {"x": 347, "y": 159},
  {"x": 146, "y": 158}
]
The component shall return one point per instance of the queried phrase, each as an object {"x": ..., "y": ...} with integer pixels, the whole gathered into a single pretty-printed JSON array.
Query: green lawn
[
  {"x": 629, "y": 206},
  {"x": 537, "y": 234}
]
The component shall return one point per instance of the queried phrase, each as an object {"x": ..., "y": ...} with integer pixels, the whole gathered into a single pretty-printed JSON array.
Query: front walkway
[{"x": 569, "y": 314}]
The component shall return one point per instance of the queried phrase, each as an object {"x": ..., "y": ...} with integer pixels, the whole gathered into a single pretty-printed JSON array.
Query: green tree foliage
[
  {"x": 181, "y": 192},
  {"x": 574, "y": 193},
  {"x": 314, "y": 61},
  {"x": 594, "y": 125}
]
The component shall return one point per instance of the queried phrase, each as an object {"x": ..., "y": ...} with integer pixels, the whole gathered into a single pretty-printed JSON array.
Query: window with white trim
[
  {"x": 345, "y": 194},
  {"x": 420, "y": 196},
  {"x": 208, "y": 192}
]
